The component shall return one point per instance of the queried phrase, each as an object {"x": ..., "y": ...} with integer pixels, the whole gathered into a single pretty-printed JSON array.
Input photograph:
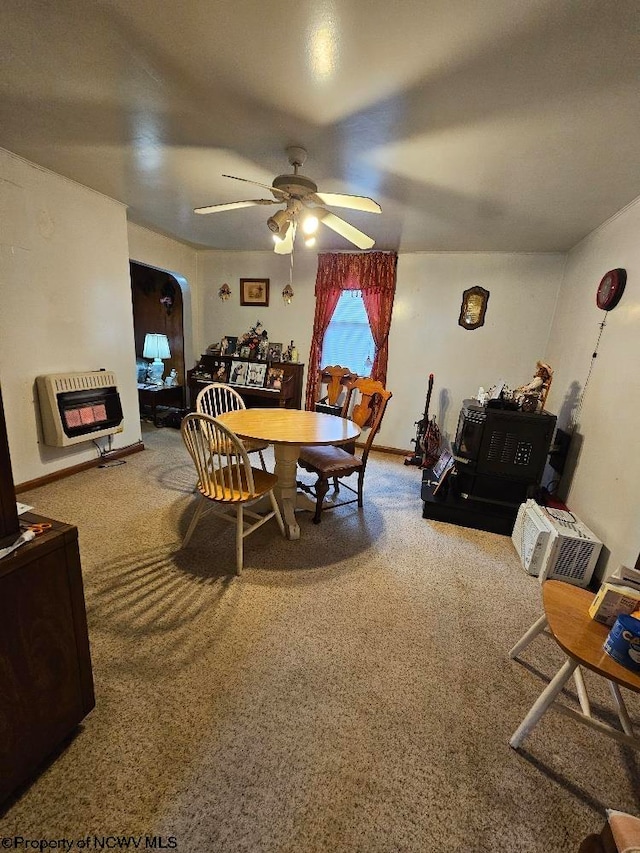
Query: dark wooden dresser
[{"x": 46, "y": 683}]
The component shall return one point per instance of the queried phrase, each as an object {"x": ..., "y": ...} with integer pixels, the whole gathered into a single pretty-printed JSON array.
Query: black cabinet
[
  {"x": 449, "y": 505},
  {"x": 500, "y": 455}
]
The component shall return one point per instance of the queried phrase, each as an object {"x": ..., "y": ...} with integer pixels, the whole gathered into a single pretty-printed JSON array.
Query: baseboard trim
[
  {"x": 395, "y": 451},
  {"x": 83, "y": 466}
]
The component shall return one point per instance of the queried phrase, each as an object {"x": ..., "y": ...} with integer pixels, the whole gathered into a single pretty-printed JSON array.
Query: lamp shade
[{"x": 156, "y": 346}]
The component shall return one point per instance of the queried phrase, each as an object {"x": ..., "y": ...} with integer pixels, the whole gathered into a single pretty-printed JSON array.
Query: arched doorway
[{"x": 158, "y": 308}]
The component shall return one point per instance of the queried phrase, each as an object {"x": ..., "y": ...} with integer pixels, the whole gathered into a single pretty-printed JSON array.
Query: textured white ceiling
[{"x": 497, "y": 125}]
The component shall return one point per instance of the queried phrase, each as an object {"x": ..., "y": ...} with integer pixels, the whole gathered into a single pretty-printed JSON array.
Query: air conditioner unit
[{"x": 553, "y": 544}]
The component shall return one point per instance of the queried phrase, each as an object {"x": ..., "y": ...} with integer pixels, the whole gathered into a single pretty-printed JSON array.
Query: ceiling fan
[{"x": 304, "y": 206}]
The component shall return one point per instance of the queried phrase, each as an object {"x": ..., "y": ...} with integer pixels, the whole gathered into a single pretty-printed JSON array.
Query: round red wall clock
[{"x": 610, "y": 289}]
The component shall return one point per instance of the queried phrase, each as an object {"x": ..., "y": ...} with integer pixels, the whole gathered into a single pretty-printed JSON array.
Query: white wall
[
  {"x": 426, "y": 338},
  {"x": 154, "y": 250},
  {"x": 425, "y": 335},
  {"x": 283, "y": 322},
  {"x": 605, "y": 489},
  {"x": 66, "y": 304}
]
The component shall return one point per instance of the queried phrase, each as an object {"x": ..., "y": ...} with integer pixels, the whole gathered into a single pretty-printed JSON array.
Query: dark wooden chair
[{"x": 365, "y": 404}]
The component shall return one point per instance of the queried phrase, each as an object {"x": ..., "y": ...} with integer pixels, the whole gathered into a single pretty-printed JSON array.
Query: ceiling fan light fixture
[
  {"x": 279, "y": 222},
  {"x": 310, "y": 224},
  {"x": 310, "y": 241}
]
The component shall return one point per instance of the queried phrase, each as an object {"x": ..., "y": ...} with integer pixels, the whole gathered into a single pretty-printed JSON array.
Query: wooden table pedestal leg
[{"x": 286, "y": 491}]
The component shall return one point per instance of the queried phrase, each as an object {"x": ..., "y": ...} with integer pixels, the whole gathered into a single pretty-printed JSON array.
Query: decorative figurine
[{"x": 533, "y": 395}]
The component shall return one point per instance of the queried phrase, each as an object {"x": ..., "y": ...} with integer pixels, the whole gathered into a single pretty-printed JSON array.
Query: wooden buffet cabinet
[
  {"x": 288, "y": 396},
  {"x": 46, "y": 682}
]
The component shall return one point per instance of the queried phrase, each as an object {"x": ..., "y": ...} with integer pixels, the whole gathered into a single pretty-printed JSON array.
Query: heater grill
[
  {"x": 78, "y": 407},
  {"x": 63, "y": 382}
]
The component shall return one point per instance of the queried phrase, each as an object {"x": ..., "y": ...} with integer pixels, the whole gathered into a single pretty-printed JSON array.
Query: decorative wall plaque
[{"x": 473, "y": 308}]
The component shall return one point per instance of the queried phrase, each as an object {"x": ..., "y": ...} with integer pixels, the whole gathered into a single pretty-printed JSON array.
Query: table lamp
[{"x": 157, "y": 348}]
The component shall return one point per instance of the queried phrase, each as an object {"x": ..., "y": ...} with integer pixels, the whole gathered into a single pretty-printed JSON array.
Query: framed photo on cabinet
[
  {"x": 255, "y": 374},
  {"x": 228, "y": 345},
  {"x": 275, "y": 376},
  {"x": 274, "y": 352},
  {"x": 238, "y": 372}
]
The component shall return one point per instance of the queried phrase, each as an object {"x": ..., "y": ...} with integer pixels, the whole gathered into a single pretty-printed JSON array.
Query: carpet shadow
[
  {"x": 564, "y": 782},
  {"x": 144, "y": 602},
  {"x": 346, "y": 535}
]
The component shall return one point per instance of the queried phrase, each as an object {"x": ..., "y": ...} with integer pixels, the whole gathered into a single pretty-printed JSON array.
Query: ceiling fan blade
[
  {"x": 234, "y": 205},
  {"x": 285, "y": 246},
  {"x": 345, "y": 229},
  {"x": 279, "y": 194},
  {"x": 353, "y": 202}
]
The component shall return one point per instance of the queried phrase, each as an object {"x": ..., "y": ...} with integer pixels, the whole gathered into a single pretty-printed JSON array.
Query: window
[{"x": 348, "y": 340}]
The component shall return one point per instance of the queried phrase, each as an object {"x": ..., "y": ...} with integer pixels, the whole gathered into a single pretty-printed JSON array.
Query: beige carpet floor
[{"x": 350, "y": 692}]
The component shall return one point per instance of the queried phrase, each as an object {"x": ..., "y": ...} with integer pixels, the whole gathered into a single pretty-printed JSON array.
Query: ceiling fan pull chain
[{"x": 287, "y": 293}]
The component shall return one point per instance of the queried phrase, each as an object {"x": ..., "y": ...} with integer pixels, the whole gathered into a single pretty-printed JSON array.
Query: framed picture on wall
[{"x": 254, "y": 291}]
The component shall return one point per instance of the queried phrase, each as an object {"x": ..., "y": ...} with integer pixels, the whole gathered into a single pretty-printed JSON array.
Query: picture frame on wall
[
  {"x": 254, "y": 291},
  {"x": 256, "y": 373},
  {"x": 238, "y": 373}
]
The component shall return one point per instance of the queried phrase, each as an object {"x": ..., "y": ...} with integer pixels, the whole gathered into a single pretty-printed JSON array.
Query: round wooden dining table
[{"x": 288, "y": 430}]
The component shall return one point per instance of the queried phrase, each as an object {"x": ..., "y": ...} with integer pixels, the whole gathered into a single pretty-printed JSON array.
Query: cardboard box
[{"x": 613, "y": 600}]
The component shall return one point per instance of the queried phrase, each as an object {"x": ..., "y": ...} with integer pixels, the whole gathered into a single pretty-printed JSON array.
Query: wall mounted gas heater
[{"x": 78, "y": 407}]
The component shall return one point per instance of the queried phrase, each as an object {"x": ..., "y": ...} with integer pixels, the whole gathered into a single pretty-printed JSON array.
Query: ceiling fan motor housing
[{"x": 296, "y": 185}]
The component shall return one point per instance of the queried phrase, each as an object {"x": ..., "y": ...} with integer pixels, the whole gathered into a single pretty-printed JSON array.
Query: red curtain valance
[{"x": 372, "y": 271}]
